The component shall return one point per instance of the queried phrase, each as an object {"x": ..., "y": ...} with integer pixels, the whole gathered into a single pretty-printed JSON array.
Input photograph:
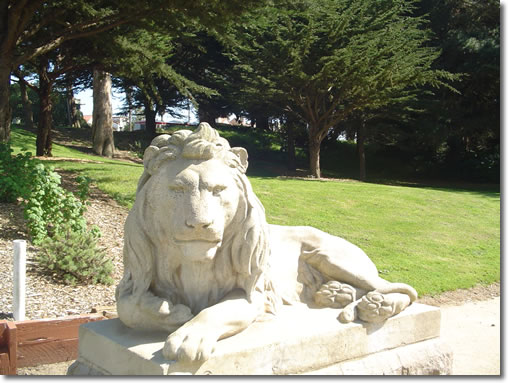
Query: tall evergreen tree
[
  {"x": 328, "y": 59},
  {"x": 468, "y": 124}
]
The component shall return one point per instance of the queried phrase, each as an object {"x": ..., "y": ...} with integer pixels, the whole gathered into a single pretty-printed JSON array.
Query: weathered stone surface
[
  {"x": 289, "y": 343},
  {"x": 202, "y": 264},
  {"x": 430, "y": 357}
]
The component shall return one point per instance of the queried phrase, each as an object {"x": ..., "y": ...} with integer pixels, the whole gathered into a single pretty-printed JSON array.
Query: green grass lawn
[
  {"x": 435, "y": 239},
  {"x": 117, "y": 178}
]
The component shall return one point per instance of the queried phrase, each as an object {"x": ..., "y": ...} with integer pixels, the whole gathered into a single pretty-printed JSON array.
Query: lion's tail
[{"x": 384, "y": 287}]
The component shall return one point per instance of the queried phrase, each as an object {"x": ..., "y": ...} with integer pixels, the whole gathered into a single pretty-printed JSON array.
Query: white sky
[{"x": 86, "y": 100}]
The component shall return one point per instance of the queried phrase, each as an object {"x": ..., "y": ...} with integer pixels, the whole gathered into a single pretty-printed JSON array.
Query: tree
[
  {"x": 330, "y": 58},
  {"x": 28, "y": 118},
  {"x": 467, "y": 124},
  {"x": 102, "y": 119},
  {"x": 49, "y": 69},
  {"x": 72, "y": 109},
  {"x": 24, "y": 32}
]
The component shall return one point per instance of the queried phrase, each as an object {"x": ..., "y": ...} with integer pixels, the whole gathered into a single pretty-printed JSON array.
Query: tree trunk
[
  {"x": 72, "y": 110},
  {"x": 261, "y": 121},
  {"x": 314, "y": 151},
  {"x": 27, "y": 106},
  {"x": 102, "y": 115},
  {"x": 150, "y": 114},
  {"x": 291, "y": 146},
  {"x": 206, "y": 115},
  {"x": 360, "y": 145},
  {"x": 128, "y": 97},
  {"x": 5, "y": 108},
  {"x": 43, "y": 141}
]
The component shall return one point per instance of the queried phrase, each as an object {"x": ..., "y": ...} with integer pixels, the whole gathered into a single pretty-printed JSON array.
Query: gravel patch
[{"x": 45, "y": 297}]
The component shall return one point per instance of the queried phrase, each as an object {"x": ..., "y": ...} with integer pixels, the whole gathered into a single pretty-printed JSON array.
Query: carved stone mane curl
[{"x": 243, "y": 255}]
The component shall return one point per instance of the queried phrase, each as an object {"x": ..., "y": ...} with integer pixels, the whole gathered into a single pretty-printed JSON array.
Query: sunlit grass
[
  {"x": 433, "y": 239},
  {"x": 117, "y": 178}
]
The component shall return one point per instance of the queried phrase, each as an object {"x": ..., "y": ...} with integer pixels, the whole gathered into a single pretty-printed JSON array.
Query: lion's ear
[
  {"x": 242, "y": 154},
  {"x": 150, "y": 153},
  {"x": 154, "y": 157}
]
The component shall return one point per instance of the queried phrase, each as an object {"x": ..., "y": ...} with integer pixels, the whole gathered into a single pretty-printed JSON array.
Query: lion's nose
[{"x": 196, "y": 223}]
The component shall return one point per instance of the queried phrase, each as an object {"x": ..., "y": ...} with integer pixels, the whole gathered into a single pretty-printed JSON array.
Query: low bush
[
  {"x": 74, "y": 257},
  {"x": 49, "y": 207},
  {"x": 54, "y": 217},
  {"x": 14, "y": 173}
]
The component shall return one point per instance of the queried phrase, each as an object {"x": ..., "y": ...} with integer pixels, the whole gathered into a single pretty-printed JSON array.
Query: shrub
[
  {"x": 75, "y": 257},
  {"x": 48, "y": 206},
  {"x": 15, "y": 173},
  {"x": 55, "y": 218}
]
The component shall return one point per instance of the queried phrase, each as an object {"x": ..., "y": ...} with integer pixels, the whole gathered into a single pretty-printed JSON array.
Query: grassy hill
[{"x": 435, "y": 238}]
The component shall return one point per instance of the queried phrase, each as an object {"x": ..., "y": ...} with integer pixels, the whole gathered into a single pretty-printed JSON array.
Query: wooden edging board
[
  {"x": 40, "y": 341},
  {"x": 8, "y": 348}
]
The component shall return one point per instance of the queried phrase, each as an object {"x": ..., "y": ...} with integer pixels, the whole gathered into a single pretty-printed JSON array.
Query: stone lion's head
[{"x": 195, "y": 206}]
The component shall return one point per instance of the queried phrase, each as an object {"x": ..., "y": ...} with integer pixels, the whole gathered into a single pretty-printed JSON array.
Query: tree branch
[
  {"x": 18, "y": 17},
  {"x": 68, "y": 34},
  {"x": 36, "y": 27},
  {"x": 20, "y": 77}
]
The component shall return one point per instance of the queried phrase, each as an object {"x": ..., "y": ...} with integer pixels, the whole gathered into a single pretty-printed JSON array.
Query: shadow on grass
[
  {"x": 486, "y": 190},
  {"x": 266, "y": 171}
]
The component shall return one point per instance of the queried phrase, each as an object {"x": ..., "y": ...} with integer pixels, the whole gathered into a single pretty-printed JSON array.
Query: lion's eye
[
  {"x": 177, "y": 188},
  {"x": 218, "y": 189}
]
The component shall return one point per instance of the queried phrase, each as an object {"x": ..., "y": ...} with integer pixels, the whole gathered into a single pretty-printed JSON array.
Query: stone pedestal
[{"x": 297, "y": 341}]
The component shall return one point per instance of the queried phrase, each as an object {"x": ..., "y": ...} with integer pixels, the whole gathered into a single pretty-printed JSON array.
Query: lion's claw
[
  {"x": 375, "y": 307},
  {"x": 335, "y": 295},
  {"x": 189, "y": 345}
]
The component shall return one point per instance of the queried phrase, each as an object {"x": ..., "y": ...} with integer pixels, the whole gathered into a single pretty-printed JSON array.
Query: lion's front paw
[
  {"x": 335, "y": 295},
  {"x": 375, "y": 307},
  {"x": 179, "y": 314},
  {"x": 189, "y": 344}
]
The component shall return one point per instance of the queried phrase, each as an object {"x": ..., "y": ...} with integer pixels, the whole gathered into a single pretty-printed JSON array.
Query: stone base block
[{"x": 297, "y": 341}]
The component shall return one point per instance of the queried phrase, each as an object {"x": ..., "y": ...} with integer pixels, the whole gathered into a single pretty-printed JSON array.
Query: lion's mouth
[
  {"x": 212, "y": 242},
  {"x": 198, "y": 250}
]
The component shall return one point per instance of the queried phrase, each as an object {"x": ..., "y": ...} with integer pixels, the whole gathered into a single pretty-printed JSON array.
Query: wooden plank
[
  {"x": 8, "y": 348},
  {"x": 61, "y": 328},
  {"x": 5, "y": 365},
  {"x": 3, "y": 332},
  {"x": 12, "y": 341},
  {"x": 48, "y": 352},
  {"x": 46, "y": 341}
]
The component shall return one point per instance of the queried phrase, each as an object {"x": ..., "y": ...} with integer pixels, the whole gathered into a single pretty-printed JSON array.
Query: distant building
[
  {"x": 88, "y": 118},
  {"x": 119, "y": 123},
  {"x": 141, "y": 125},
  {"x": 233, "y": 120}
]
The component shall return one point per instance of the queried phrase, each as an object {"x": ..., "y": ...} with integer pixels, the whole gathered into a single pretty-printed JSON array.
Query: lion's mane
[{"x": 241, "y": 261}]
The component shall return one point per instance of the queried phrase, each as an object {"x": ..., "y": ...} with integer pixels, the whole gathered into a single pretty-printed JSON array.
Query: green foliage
[
  {"x": 75, "y": 258},
  {"x": 54, "y": 217},
  {"x": 83, "y": 188},
  {"x": 325, "y": 60},
  {"x": 49, "y": 207},
  {"x": 14, "y": 173}
]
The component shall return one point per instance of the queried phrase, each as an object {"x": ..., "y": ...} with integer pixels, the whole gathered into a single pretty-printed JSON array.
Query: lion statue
[{"x": 202, "y": 263}]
